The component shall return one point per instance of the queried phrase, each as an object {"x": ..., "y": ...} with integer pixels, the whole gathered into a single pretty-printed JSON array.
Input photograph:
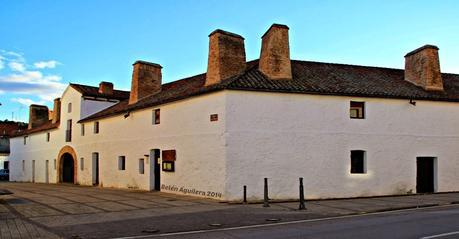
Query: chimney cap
[
  {"x": 277, "y": 26},
  {"x": 226, "y": 33},
  {"x": 421, "y": 48},
  {"x": 147, "y": 63},
  {"x": 38, "y": 106}
]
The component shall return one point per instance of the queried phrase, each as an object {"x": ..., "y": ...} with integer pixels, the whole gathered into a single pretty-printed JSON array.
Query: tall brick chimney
[
  {"x": 275, "y": 53},
  {"x": 146, "y": 80},
  {"x": 38, "y": 115},
  {"x": 422, "y": 68},
  {"x": 106, "y": 88},
  {"x": 57, "y": 110},
  {"x": 226, "y": 56}
]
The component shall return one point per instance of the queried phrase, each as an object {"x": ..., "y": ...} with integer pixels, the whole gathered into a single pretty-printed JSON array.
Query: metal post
[
  {"x": 266, "y": 199},
  {"x": 302, "y": 205},
  {"x": 245, "y": 194}
]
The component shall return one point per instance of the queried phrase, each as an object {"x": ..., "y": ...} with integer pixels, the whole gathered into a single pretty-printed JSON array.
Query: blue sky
[{"x": 44, "y": 44}]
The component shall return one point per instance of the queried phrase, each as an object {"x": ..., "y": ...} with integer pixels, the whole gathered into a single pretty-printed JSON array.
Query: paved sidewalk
[{"x": 68, "y": 211}]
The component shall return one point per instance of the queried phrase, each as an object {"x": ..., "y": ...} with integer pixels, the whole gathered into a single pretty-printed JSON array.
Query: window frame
[
  {"x": 141, "y": 166},
  {"x": 360, "y": 109}
]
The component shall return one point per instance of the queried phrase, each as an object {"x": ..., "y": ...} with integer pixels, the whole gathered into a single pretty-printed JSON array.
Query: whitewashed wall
[
  {"x": 185, "y": 126},
  {"x": 3, "y": 158},
  {"x": 287, "y": 136}
]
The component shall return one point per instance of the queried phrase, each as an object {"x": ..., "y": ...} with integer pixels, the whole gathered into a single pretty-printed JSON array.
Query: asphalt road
[{"x": 427, "y": 223}]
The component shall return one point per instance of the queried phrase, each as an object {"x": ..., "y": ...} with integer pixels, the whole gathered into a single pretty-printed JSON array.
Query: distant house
[
  {"x": 7, "y": 129},
  {"x": 347, "y": 130}
]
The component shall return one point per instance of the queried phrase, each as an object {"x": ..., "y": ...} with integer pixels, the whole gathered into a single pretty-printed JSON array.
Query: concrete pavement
[{"x": 69, "y": 211}]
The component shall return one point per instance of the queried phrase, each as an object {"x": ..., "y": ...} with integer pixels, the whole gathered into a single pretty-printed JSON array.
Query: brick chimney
[
  {"x": 106, "y": 88},
  {"x": 57, "y": 110},
  {"x": 275, "y": 53},
  {"x": 146, "y": 80},
  {"x": 422, "y": 68},
  {"x": 38, "y": 115},
  {"x": 226, "y": 56}
]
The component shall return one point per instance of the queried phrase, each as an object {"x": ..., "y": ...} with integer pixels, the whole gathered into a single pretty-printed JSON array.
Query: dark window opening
[
  {"x": 358, "y": 161},
  {"x": 122, "y": 163},
  {"x": 156, "y": 116},
  {"x": 82, "y": 129},
  {"x": 68, "y": 132},
  {"x": 48, "y": 136},
  {"x": 96, "y": 127},
  {"x": 357, "y": 110}
]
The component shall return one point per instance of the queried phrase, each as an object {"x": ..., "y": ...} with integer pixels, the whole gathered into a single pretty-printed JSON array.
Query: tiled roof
[
  {"x": 308, "y": 78},
  {"x": 92, "y": 91},
  {"x": 44, "y": 127}
]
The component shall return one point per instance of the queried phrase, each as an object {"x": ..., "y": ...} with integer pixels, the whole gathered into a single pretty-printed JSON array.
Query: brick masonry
[
  {"x": 226, "y": 56},
  {"x": 38, "y": 115},
  {"x": 422, "y": 68},
  {"x": 275, "y": 53},
  {"x": 146, "y": 80}
]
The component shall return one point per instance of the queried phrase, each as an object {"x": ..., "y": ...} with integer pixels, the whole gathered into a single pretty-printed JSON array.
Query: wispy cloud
[
  {"x": 16, "y": 66},
  {"x": 27, "y": 101},
  {"x": 2, "y": 64},
  {"x": 35, "y": 85},
  {"x": 45, "y": 64}
]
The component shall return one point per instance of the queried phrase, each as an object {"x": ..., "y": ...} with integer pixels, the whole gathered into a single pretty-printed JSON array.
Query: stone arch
[{"x": 67, "y": 150}]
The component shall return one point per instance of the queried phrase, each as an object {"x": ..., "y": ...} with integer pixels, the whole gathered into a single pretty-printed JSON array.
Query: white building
[{"x": 348, "y": 130}]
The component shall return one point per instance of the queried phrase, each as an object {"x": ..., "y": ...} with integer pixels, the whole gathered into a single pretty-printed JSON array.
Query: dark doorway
[
  {"x": 95, "y": 169},
  {"x": 425, "y": 175},
  {"x": 155, "y": 169},
  {"x": 68, "y": 168}
]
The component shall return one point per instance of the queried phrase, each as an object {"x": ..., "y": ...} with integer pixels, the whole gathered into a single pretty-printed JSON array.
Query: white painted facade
[
  {"x": 3, "y": 158},
  {"x": 275, "y": 135}
]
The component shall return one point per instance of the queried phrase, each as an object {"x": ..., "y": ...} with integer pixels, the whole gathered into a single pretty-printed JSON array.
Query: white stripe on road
[
  {"x": 280, "y": 223},
  {"x": 441, "y": 235}
]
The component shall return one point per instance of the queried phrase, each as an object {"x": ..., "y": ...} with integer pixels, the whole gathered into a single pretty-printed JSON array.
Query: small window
[
  {"x": 23, "y": 165},
  {"x": 168, "y": 166},
  {"x": 69, "y": 108},
  {"x": 82, "y": 164},
  {"x": 48, "y": 136},
  {"x": 25, "y": 140},
  {"x": 122, "y": 163},
  {"x": 141, "y": 166},
  {"x": 82, "y": 129},
  {"x": 156, "y": 116},
  {"x": 358, "y": 164},
  {"x": 54, "y": 164},
  {"x": 357, "y": 110},
  {"x": 213, "y": 117},
  {"x": 96, "y": 127}
]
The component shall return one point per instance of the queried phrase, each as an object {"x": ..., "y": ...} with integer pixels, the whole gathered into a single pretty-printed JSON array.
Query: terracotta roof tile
[
  {"x": 92, "y": 91},
  {"x": 308, "y": 78}
]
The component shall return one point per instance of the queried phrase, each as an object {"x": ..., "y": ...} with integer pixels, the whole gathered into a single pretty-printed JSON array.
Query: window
[
  {"x": 82, "y": 129},
  {"x": 69, "y": 108},
  {"x": 82, "y": 164},
  {"x": 48, "y": 136},
  {"x": 25, "y": 140},
  {"x": 358, "y": 164},
  {"x": 213, "y": 117},
  {"x": 121, "y": 162},
  {"x": 23, "y": 165},
  {"x": 141, "y": 166},
  {"x": 156, "y": 116},
  {"x": 168, "y": 166},
  {"x": 357, "y": 110},
  {"x": 169, "y": 157},
  {"x": 96, "y": 127},
  {"x": 68, "y": 132},
  {"x": 54, "y": 164}
]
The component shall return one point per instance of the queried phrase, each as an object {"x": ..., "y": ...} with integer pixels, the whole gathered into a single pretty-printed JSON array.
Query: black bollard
[
  {"x": 266, "y": 199},
  {"x": 302, "y": 205},
  {"x": 245, "y": 194}
]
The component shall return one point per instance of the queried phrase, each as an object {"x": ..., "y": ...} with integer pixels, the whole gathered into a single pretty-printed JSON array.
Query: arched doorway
[
  {"x": 67, "y": 168},
  {"x": 67, "y": 165}
]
